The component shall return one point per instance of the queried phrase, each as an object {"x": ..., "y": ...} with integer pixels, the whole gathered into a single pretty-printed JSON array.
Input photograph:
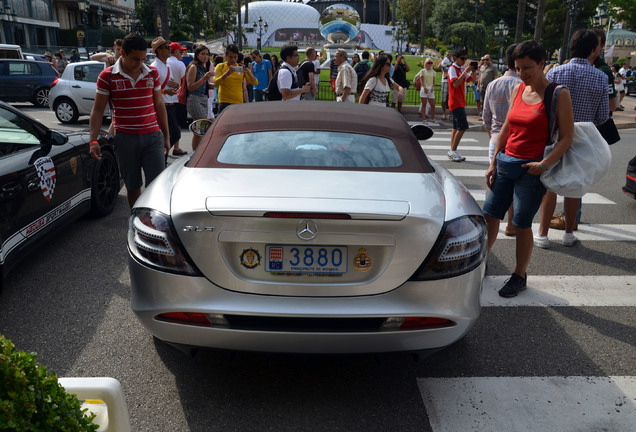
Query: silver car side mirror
[{"x": 200, "y": 127}]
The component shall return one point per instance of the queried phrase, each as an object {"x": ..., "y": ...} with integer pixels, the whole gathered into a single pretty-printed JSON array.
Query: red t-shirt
[
  {"x": 528, "y": 127},
  {"x": 133, "y": 102},
  {"x": 456, "y": 95}
]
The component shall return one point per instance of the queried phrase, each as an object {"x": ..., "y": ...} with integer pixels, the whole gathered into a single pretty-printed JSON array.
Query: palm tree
[
  {"x": 538, "y": 27},
  {"x": 422, "y": 35},
  {"x": 521, "y": 12}
]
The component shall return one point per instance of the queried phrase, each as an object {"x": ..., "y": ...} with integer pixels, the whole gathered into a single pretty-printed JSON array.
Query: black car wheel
[
  {"x": 41, "y": 97},
  {"x": 105, "y": 185},
  {"x": 66, "y": 111}
]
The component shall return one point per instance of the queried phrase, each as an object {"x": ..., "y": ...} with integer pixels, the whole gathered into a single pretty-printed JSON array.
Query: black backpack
[
  {"x": 272, "y": 92},
  {"x": 361, "y": 69}
]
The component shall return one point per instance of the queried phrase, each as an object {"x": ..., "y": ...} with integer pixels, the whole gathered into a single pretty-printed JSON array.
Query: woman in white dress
[{"x": 378, "y": 84}]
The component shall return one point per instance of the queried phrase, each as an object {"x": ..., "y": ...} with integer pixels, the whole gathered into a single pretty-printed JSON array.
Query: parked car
[
  {"x": 188, "y": 44},
  {"x": 26, "y": 81},
  {"x": 308, "y": 228},
  {"x": 630, "y": 88},
  {"x": 73, "y": 94},
  {"x": 47, "y": 180},
  {"x": 8, "y": 51}
]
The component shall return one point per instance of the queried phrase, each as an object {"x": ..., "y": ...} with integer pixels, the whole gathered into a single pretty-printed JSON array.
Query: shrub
[{"x": 31, "y": 399}]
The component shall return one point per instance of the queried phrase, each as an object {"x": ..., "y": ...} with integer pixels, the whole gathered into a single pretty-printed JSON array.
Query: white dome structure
[{"x": 286, "y": 22}]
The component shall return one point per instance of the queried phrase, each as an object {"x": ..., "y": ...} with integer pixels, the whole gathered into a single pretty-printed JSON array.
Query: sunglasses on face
[{"x": 463, "y": 58}]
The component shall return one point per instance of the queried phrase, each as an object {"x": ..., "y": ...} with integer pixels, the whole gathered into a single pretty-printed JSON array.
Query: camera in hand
[{"x": 474, "y": 65}]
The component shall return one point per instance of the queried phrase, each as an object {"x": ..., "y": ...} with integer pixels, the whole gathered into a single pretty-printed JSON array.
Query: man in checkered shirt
[{"x": 590, "y": 103}]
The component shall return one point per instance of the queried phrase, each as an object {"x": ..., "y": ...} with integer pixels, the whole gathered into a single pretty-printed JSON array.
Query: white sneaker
[
  {"x": 541, "y": 241},
  {"x": 569, "y": 239},
  {"x": 432, "y": 124},
  {"x": 455, "y": 157}
]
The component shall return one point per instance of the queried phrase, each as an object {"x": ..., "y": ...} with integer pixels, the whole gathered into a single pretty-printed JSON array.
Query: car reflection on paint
[
  {"x": 308, "y": 228},
  {"x": 47, "y": 180}
]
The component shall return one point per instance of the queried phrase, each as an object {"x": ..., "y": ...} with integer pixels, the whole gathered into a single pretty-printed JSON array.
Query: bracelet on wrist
[
  {"x": 93, "y": 142},
  {"x": 543, "y": 166}
]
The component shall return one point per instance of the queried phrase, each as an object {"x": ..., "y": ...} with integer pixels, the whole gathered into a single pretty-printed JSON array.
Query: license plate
[{"x": 305, "y": 259}]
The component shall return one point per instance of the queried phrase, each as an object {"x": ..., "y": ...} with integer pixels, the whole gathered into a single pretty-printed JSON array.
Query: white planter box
[{"x": 104, "y": 397}]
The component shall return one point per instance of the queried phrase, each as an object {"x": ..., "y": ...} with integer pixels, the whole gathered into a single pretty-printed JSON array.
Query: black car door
[{"x": 39, "y": 184}]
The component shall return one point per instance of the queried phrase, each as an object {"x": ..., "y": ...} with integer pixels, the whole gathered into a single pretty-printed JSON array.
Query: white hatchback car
[{"x": 73, "y": 93}]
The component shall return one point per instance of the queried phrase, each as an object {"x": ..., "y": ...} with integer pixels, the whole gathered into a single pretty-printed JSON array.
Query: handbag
[
  {"x": 584, "y": 162},
  {"x": 182, "y": 93},
  {"x": 609, "y": 131},
  {"x": 418, "y": 83}
]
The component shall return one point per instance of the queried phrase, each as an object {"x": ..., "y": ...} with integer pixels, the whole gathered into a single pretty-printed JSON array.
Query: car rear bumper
[{"x": 155, "y": 292}]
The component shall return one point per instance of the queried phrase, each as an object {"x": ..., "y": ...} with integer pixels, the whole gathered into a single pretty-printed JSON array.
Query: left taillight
[
  {"x": 152, "y": 241},
  {"x": 461, "y": 248},
  {"x": 55, "y": 82}
]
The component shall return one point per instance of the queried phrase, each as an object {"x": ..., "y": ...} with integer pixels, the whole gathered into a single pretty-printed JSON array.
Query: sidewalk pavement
[{"x": 623, "y": 119}]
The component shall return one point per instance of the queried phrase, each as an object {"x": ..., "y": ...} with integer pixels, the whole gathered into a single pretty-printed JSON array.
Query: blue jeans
[{"x": 514, "y": 185}]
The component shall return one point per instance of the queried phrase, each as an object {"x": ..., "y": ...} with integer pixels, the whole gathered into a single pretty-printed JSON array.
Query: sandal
[
  {"x": 444, "y": 117},
  {"x": 179, "y": 152}
]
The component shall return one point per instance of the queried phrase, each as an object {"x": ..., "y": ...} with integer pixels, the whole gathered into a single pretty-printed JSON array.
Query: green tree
[
  {"x": 470, "y": 35},
  {"x": 623, "y": 11}
]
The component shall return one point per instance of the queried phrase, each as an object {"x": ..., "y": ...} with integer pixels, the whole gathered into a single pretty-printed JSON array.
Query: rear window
[{"x": 309, "y": 148}]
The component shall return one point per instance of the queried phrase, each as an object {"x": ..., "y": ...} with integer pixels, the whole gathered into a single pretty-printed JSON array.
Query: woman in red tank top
[{"x": 518, "y": 163}]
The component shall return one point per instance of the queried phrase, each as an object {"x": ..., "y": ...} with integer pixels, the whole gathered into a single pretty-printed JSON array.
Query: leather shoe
[
  {"x": 558, "y": 222},
  {"x": 511, "y": 230}
]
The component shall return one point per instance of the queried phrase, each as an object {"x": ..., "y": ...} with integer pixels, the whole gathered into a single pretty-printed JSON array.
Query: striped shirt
[
  {"x": 497, "y": 100},
  {"x": 588, "y": 89},
  {"x": 132, "y": 100}
]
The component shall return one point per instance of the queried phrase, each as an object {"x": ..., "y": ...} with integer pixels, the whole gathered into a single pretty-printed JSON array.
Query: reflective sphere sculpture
[{"x": 340, "y": 23}]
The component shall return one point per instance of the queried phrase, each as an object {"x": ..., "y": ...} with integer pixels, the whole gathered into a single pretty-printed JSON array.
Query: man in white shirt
[
  {"x": 287, "y": 79},
  {"x": 316, "y": 74},
  {"x": 169, "y": 87},
  {"x": 623, "y": 72},
  {"x": 446, "y": 63},
  {"x": 177, "y": 69},
  {"x": 347, "y": 79}
]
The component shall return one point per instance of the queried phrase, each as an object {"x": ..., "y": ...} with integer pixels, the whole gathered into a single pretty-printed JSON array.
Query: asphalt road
[{"x": 70, "y": 303}]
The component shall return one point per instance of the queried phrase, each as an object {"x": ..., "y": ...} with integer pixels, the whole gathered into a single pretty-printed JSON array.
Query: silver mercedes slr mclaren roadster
[{"x": 307, "y": 228}]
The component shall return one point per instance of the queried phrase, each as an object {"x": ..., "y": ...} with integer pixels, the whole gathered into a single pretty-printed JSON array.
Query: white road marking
[
  {"x": 567, "y": 404},
  {"x": 447, "y": 147},
  {"x": 447, "y": 139},
  {"x": 564, "y": 291},
  {"x": 470, "y": 158},
  {"x": 589, "y": 198},
  {"x": 468, "y": 173},
  {"x": 587, "y": 232}
]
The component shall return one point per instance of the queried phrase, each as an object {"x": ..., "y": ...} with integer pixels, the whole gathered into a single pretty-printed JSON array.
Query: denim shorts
[
  {"x": 513, "y": 185},
  {"x": 459, "y": 119}
]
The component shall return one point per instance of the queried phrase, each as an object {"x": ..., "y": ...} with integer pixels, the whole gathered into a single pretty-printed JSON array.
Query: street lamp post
[
  {"x": 573, "y": 7},
  {"x": 501, "y": 33},
  {"x": 260, "y": 27},
  {"x": 477, "y": 4},
  {"x": 83, "y": 6},
  {"x": 100, "y": 14}
]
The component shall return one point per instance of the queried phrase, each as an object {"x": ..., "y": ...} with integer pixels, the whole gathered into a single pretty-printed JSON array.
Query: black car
[
  {"x": 26, "y": 81},
  {"x": 47, "y": 180},
  {"x": 630, "y": 88}
]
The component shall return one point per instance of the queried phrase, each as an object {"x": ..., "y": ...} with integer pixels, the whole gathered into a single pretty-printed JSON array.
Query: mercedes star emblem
[{"x": 306, "y": 230}]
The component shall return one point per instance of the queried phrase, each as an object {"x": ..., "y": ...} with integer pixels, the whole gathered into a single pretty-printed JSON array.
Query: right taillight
[{"x": 461, "y": 248}]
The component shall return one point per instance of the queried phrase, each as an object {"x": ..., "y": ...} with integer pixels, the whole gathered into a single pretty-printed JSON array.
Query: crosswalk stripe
[
  {"x": 468, "y": 173},
  {"x": 446, "y": 147},
  {"x": 471, "y": 158},
  {"x": 587, "y": 232},
  {"x": 447, "y": 139},
  {"x": 564, "y": 291},
  {"x": 589, "y": 198},
  {"x": 557, "y": 403}
]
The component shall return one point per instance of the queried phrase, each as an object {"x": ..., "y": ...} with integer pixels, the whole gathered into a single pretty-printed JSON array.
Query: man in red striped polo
[{"x": 141, "y": 125}]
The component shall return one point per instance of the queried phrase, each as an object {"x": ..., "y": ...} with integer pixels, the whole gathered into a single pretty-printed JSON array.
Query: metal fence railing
[{"x": 412, "y": 95}]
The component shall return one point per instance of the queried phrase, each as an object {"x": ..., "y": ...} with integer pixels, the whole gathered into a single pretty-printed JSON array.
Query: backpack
[
  {"x": 272, "y": 92},
  {"x": 362, "y": 68}
]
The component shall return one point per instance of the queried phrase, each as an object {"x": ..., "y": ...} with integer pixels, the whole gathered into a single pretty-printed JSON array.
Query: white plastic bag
[{"x": 582, "y": 165}]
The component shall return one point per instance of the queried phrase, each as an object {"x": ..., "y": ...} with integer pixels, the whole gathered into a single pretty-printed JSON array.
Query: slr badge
[{"x": 250, "y": 258}]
